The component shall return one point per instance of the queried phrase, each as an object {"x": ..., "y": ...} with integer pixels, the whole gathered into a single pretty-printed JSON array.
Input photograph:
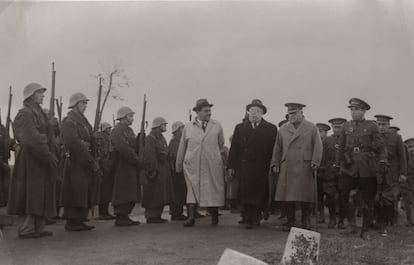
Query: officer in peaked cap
[
  {"x": 388, "y": 187},
  {"x": 360, "y": 147},
  {"x": 336, "y": 183}
]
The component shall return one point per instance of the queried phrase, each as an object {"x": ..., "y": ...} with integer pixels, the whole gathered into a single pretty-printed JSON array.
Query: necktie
[{"x": 203, "y": 125}]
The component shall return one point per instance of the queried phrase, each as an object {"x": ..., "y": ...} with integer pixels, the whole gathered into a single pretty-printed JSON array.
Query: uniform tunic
[{"x": 329, "y": 174}]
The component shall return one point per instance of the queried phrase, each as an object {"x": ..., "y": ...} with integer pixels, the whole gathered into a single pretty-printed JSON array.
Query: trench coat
[
  {"x": 294, "y": 152},
  {"x": 159, "y": 190},
  {"x": 178, "y": 180},
  {"x": 200, "y": 159},
  {"x": 32, "y": 187},
  {"x": 80, "y": 185},
  {"x": 250, "y": 155},
  {"x": 126, "y": 165}
]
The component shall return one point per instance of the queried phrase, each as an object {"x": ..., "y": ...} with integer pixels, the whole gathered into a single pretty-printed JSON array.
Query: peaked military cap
[
  {"x": 337, "y": 121},
  {"x": 409, "y": 141},
  {"x": 257, "y": 103},
  {"x": 381, "y": 117},
  {"x": 323, "y": 126},
  {"x": 359, "y": 103},
  {"x": 294, "y": 107},
  {"x": 397, "y": 129}
]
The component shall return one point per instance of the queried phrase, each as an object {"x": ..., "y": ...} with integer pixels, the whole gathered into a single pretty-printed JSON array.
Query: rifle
[
  {"x": 113, "y": 121},
  {"x": 59, "y": 106},
  {"x": 52, "y": 94},
  {"x": 98, "y": 112},
  {"x": 141, "y": 140},
  {"x": 7, "y": 129},
  {"x": 189, "y": 114}
]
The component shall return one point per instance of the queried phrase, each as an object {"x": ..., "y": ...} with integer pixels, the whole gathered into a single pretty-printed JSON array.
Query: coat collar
[
  {"x": 80, "y": 119},
  {"x": 303, "y": 128}
]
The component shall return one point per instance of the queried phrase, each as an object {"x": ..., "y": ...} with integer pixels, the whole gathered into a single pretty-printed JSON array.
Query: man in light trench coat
[
  {"x": 297, "y": 153},
  {"x": 200, "y": 159}
]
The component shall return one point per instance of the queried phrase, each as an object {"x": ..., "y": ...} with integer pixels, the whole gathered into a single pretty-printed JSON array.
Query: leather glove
[
  {"x": 402, "y": 179},
  {"x": 230, "y": 175}
]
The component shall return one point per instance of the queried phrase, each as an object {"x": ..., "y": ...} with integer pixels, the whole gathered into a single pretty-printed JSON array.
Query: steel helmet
[
  {"x": 30, "y": 89},
  {"x": 157, "y": 122},
  {"x": 76, "y": 98},
  {"x": 123, "y": 111},
  {"x": 105, "y": 125},
  {"x": 176, "y": 125}
]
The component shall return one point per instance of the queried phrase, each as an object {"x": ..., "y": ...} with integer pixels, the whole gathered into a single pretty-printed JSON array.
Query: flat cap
[{"x": 409, "y": 141}]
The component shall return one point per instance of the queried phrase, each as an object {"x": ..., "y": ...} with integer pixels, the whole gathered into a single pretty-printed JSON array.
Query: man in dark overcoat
[
  {"x": 81, "y": 171},
  {"x": 158, "y": 190},
  {"x": 126, "y": 168},
  {"x": 32, "y": 187},
  {"x": 249, "y": 161},
  {"x": 178, "y": 181}
]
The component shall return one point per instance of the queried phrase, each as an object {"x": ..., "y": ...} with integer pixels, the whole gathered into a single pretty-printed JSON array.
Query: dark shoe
[
  {"x": 242, "y": 221},
  {"x": 106, "y": 217},
  {"x": 286, "y": 228},
  {"x": 74, "y": 228},
  {"x": 266, "y": 215},
  {"x": 179, "y": 218},
  {"x": 384, "y": 232},
  {"x": 50, "y": 221},
  {"x": 133, "y": 222},
  {"x": 31, "y": 235},
  {"x": 124, "y": 223},
  {"x": 46, "y": 233},
  {"x": 87, "y": 227},
  {"x": 249, "y": 225},
  {"x": 156, "y": 221},
  {"x": 189, "y": 223}
]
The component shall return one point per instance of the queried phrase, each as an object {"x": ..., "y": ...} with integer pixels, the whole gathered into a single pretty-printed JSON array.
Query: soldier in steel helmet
[
  {"x": 126, "y": 168},
  {"x": 178, "y": 181},
  {"x": 157, "y": 191},
  {"x": 362, "y": 152},
  {"x": 82, "y": 173},
  {"x": 104, "y": 151},
  {"x": 32, "y": 187}
]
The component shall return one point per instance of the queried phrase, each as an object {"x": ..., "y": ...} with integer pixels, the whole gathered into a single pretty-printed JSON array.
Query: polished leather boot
[{"x": 214, "y": 211}]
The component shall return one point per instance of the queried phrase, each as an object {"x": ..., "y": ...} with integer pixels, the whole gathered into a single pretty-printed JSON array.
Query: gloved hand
[{"x": 402, "y": 179}]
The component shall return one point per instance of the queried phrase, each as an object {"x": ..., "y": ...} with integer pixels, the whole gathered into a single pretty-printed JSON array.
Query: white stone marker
[
  {"x": 232, "y": 257},
  {"x": 302, "y": 247}
]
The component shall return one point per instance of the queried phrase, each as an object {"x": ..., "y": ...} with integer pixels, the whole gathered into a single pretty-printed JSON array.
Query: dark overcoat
[
  {"x": 396, "y": 155},
  {"x": 328, "y": 174},
  {"x": 80, "y": 185},
  {"x": 178, "y": 180},
  {"x": 32, "y": 187},
  {"x": 250, "y": 155},
  {"x": 126, "y": 165},
  {"x": 105, "y": 160},
  {"x": 158, "y": 191}
]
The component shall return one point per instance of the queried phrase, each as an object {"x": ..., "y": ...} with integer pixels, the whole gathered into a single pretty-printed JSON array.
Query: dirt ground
[{"x": 171, "y": 243}]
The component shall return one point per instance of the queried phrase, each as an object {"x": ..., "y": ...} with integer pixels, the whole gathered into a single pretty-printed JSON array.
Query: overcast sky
[{"x": 319, "y": 53}]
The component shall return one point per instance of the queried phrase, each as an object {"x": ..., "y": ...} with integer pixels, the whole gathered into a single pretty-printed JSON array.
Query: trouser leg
[
  {"x": 154, "y": 212},
  {"x": 124, "y": 208},
  {"x": 176, "y": 210},
  {"x": 368, "y": 187},
  {"x": 290, "y": 213}
]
